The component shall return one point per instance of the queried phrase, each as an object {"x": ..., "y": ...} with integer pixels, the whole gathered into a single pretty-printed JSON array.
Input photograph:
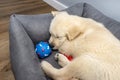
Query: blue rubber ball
[{"x": 43, "y": 49}]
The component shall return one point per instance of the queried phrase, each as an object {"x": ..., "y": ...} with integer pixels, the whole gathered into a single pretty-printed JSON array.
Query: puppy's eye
[{"x": 58, "y": 37}]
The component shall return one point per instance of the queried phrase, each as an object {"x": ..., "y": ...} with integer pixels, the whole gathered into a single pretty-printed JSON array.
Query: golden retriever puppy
[{"x": 95, "y": 50}]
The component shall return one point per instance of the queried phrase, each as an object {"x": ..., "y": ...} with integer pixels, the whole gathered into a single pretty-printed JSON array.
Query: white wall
[{"x": 110, "y": 8}]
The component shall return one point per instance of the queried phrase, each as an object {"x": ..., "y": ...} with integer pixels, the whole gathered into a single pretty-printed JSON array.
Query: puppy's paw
[
  {"x": 60, "y": 57},
  {"x": 48, "y": 68},
  {"x": 56, "y": 56},
  {"x": 45, "y": 66},
  {"x": 62, "y": 60}
]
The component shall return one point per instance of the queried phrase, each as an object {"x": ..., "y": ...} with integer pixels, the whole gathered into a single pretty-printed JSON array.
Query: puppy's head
[{"x": 63, "y": 29}]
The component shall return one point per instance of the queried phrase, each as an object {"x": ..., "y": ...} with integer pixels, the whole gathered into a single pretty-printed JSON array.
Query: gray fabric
[
  {"x": 27, "y": 30},
  {"x": 23, "y": 58},
  {"x": 36, "y": 26}
]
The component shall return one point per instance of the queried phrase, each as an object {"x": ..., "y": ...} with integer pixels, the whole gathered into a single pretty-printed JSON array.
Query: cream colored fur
[{"x": 95, "y": 50}]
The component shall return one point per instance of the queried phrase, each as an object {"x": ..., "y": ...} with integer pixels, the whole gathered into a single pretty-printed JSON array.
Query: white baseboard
[{"x": 56, "y": 4}]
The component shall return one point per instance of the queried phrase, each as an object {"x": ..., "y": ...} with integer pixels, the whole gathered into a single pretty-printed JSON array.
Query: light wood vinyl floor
[{"x": 8, "y": 7}]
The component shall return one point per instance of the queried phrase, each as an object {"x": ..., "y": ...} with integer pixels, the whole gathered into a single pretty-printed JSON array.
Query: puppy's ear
[
  {"x": 54, "y": 13},
  {"x": 73, "y": 33}
]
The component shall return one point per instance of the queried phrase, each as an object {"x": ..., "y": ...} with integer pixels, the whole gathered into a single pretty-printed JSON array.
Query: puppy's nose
[{"x": 51, "y": 46}]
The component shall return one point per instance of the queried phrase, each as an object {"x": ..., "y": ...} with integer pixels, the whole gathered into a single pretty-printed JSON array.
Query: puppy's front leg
[
  {"x": 66, "y": 73},
  {"x": 84, "y": 65},
  {"x": 56, "y": 74}
]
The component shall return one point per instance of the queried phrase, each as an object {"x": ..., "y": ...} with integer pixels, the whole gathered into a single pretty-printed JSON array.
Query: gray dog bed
[{"x": 27, "y": 30}]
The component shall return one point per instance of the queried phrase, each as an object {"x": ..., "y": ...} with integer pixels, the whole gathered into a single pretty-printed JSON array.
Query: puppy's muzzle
[{"x": 53, "y": 48}]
